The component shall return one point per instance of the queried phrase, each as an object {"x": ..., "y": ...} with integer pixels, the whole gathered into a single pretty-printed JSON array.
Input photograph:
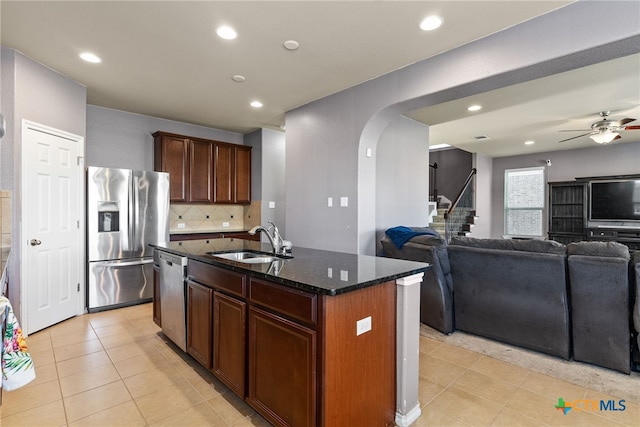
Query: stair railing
[
  {"x": 433, "y": 187},
  {"x": 469, "y": 199}
]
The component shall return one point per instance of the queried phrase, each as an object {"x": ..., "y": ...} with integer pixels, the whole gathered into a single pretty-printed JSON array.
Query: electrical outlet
[
  {"x": 181, "y": 225},
  {"x": 225, "y": 224},
  {"x": 344, "y": 202},
  {"x": 272, "y": 205},
  {"x": 363, "y": 325}
]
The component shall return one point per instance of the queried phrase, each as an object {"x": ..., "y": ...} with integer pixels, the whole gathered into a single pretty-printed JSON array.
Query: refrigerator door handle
[
  {"x": 128, "y": 236},
  {"x": 135, "y": 212},
  {"x": 123, "y": 264}
]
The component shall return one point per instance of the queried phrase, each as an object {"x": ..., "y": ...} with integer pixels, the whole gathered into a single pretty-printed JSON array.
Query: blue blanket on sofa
[{"x": 400, "y": 235}]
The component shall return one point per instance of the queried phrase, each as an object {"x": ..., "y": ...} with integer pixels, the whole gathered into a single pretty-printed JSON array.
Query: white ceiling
[
  {"x": 539, "y": 109},
  {"x": 163, "y": 59}
]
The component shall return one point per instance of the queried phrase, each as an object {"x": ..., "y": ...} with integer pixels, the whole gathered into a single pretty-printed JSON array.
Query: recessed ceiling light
[
  {"x": 430, "y": 23},
  {"x": 291, "y": 45},
  {"x": 474, "y": 107},
  {"x": 238, "y": 78},
  {"x": 90, "y": 57},
  {"x": 256, "y": 104},
  {"x": 226, "y": 32},
  {"x": 529, "y": 142}
]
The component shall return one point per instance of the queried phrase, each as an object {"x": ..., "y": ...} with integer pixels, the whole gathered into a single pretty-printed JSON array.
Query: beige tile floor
[{"x": 116, "y": 369}]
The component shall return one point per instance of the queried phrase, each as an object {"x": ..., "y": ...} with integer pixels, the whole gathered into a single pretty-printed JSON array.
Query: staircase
[{"x": 461, "y": 221}]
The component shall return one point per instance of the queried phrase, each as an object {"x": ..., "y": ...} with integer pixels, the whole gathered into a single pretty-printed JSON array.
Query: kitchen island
[{"x": 309, "y": 340}]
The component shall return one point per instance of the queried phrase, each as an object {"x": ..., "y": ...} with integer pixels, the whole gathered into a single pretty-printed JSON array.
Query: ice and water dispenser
[{"x": 108, "y": 217}]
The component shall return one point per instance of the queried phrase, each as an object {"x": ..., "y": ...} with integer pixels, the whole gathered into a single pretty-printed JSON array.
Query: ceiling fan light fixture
[{"x": 604, "y": 136}]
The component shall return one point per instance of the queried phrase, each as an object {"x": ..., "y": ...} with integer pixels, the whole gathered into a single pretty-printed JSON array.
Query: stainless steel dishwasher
[{"x": 172, "y": 298}]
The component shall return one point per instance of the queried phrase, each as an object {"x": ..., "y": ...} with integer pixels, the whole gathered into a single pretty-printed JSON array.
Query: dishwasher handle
[{"x": 171, "y": 259}]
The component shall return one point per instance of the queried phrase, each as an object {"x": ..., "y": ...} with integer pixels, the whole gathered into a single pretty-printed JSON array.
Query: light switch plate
[
  {"x": 344, "y": 201},
  {"x": 330, "y": 201},
  {"x": 272, "y": 205},
  {"x": 363, "y": 325}
]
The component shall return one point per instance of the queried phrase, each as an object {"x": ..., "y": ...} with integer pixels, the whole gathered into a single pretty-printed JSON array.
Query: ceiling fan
[{"x": 605, "y": 130}]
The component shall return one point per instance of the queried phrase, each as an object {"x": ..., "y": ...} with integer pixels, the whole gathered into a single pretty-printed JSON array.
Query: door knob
[{"x": 35, "y": 242}]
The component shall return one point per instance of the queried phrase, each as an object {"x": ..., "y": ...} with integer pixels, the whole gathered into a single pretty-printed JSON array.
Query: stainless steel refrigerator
[{"x": 126, "y": 210}]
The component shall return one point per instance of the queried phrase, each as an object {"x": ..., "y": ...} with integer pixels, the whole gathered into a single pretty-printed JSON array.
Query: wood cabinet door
[
  {"x": 201, "y": 176},
  {"x": 282, "y": 369},
  {"x": 157, "y": 317},
  {"x": 174, "y": 159},
  {"x": 223, "y": 174},
  {"x": 243, "y": 175},
  {"x": 199, "y": 322},
  {"x": 229, "y": 342}
]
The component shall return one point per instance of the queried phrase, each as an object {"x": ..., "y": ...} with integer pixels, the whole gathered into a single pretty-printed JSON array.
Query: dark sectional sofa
[{"x": 578, "y": 300}]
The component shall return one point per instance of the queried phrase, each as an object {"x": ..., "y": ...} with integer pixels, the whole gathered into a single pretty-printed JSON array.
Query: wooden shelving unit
[{"x": 567, "y": 211}]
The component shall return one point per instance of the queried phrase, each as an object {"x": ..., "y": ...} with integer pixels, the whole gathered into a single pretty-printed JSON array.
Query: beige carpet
[{"x": 583, "y": 374}]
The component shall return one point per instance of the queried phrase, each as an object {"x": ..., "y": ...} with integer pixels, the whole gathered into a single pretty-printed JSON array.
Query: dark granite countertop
[{"x": 312, "y": 270}]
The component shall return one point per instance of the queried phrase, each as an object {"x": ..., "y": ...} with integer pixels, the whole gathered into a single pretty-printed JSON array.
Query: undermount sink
[{"x": 249, "y": 257}]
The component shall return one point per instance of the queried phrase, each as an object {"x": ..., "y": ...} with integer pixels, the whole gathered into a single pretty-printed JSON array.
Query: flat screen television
[{"x": 616, "y": 200}]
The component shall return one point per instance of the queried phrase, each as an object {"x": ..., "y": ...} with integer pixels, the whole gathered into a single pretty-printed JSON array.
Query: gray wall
[
  {"x": 268, "y": 175},
  {"x": 483, "y": 187},
  {"x": 454, "y": 166},
  {"x": 402, "y": 176},
  {"x": 119, "y": 139},
  {"x": 599, "y": 160},
  {"x": 327, "y": 139},
  {"x": 33, "y": 92}
]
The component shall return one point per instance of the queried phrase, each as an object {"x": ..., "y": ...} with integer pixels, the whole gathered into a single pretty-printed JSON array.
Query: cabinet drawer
[
  {"x": 602, "y": 233},
  {"x": 292, "y": 303},
  {"x": 225, "y": 280}
]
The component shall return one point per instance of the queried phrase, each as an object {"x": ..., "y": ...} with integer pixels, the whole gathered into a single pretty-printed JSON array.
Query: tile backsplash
[
  {"x": 205, "y": 218},
  {"x": 5, "y": 217}
]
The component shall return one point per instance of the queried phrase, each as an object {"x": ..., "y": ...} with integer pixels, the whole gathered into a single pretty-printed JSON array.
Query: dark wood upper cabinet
[
  {"x": 243, "y": 175},
  {"x": 204, "y": 171},
  {"x": 171, "y": 154},
  {"x": 201, "y": 168},
  {"x": 224, "y": 173}
]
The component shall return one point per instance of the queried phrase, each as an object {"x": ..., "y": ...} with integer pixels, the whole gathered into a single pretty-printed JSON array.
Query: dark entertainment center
[{"x": 596, "y": 208}]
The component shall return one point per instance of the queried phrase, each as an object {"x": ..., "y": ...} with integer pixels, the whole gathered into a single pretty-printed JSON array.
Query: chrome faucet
[{"x": 275, "y": 239}]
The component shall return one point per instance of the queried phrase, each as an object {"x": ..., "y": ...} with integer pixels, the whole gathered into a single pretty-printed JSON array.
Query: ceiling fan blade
[
  {"x": 623, "y": 122},
  {"x": 579, "y": 136},
  {"x": 634, "y": 127}
]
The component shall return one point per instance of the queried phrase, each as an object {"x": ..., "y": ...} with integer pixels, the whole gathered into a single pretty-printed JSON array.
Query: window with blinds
[{"x": 523, "y": 201}]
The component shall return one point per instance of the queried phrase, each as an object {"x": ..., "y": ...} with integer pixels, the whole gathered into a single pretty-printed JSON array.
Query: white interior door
[{"x": 52, "y": 283}]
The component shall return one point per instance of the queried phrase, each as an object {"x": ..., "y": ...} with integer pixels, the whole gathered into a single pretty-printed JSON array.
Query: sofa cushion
[
  {"x": 599, "y": 249},
  {"x": 532, "y": 245}
]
